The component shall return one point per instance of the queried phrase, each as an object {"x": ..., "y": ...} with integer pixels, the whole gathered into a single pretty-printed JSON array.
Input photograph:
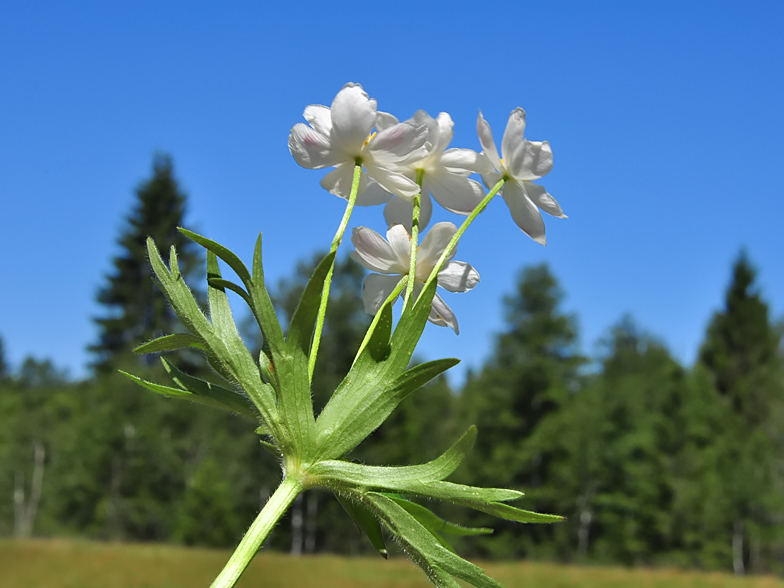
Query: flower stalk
[
  {"x": 420, "y": 175},
  {"x": 466, "y": 223},
  {"x": 352, "y": 198}
]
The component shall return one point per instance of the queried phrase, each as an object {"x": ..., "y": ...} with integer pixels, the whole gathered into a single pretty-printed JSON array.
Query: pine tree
[{"x": 136, "y": 310}]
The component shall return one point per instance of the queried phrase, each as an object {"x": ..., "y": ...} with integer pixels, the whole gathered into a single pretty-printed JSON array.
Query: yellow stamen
[{"x": 370, "y": 137}]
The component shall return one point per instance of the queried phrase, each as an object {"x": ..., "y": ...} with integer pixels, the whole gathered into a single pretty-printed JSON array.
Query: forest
[{"x": 651, "y": 462}]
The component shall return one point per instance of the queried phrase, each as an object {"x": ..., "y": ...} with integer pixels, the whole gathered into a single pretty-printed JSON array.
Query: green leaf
[
  {"x": 217, "y": 399},
  {"x": 237, "y": 402},
  {"x": 344, "y": 474},
  {"x": 170, "y": 343},
  {"x": 511, "y": 513},
  {"x": 434, "y": 523},
  {"x": 304, "y": 320},
  {"x": 262, "y": 306},
  {"x": 371, "y": 407},
  {"x": 366, "y": 523},
  {"x": 228, "y": 285},
  {"x": 260, "y": 302},
  {"x": 220, "y": 311},
  {"x": 225, "y": 254},
  {"x": 369, "y": 379},
  {"x": 295, "y": 401},
  {"x": 378, "y": 346},
  {"x": 424, "y": 549},
  {"x": 223, "y": 344}
]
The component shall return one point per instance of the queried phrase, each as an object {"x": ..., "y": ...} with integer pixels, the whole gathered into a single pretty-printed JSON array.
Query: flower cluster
[{"x": 403, "y": 164}]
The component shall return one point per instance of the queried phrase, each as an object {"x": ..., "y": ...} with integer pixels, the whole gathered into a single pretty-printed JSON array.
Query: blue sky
[{"x": 665, "y": 120}]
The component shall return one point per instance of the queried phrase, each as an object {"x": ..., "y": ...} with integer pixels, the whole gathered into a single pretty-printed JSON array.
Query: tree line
[{"x": 652, "y": 462}]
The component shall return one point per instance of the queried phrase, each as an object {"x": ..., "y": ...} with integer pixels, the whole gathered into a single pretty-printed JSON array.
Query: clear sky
[{"x": 665, "y": 120}]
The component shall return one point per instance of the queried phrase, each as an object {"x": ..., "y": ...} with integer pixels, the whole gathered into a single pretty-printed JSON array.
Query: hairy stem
[
  {"x": 259, "y": 530},
  {"x": 352, "y": 198},
  {"x": 414, "y": 238}
]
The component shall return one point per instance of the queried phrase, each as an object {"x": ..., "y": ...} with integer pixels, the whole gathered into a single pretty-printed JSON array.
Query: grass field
[{"x": 75, "y": 564}]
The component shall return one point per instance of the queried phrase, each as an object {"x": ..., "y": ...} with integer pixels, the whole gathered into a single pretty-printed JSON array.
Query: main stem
[
  {"x": 259, "y": 530},
  {"x": 466, "y": 223},
  {"x": 352, "y": 198}
]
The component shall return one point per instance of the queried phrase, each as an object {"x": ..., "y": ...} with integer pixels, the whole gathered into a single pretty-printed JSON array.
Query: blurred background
[{"x": 628, "y": 376}]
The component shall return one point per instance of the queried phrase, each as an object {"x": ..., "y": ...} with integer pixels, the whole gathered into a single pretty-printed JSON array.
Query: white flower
[
  {"x": 445, "y": 171},
  {"x": 341, "y": 135},
  {"x": 522, "y": 162},
  {"x": 390, "y": 257}
]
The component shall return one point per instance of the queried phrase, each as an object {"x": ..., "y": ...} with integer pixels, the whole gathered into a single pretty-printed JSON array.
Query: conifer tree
[
  {"x": 135, "y": 309},
  {"x": 534, "y": 367},
  {"x": 741, "y": 356}
]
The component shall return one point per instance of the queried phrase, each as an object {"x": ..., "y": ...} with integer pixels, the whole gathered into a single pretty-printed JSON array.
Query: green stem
[
  {"x": 466, "y": 223},
  {"x": 414, "y": 238},
  {"x": 394, "y": 294},
  {"x": 352, "y": 198},
  {"x": 275, "y": 508}
]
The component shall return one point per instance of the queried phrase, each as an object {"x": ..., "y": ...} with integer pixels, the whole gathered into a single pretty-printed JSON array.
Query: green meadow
[{"x": 81, "y": 564}]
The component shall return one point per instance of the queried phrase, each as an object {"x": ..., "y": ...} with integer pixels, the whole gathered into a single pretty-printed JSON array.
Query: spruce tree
[
  {"x": 741, "y": 349},
  {"x": 533, "y": 369},
  {"x": 741, "y": 356},
  {"x": 135, "y": 309}
]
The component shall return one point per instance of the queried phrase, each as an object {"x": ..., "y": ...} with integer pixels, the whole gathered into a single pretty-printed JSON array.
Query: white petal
[
  {"x": 524, "y": 212},
  {"x": 311, "y": 149},
  {"x": 486, "y": 140},
  {"x": 542, "y": 199},
  {"x": 399, "y": 211},
  {"x": 400, "y": 242},
  {"x": 439, "y": 130},
  {"x": 392, "y": 181},
  {"x": 458, "y": 276},
  {"x": 373, "y": 252},
  {"x": 372, "y": 194},
  {"x": 456, "y": 193},
  {"x": 319, "y": 117},
  {"x": 353, "y": 117},
  {"x": 376, "y": 289},
  {"x": 466, "y": 160},
  {"x": 340, "y": 179},
  {"x": 513, "y": 143},
  {"x": 533, "y": 162},
  {"x": 398, "y": 143},
  {"x": 433, "y": 246},
  {"x": 385, "y": 120},
  {"x": 442, "y": 315}
]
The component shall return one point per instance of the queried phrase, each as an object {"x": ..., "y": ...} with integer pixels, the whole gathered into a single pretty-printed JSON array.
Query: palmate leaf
[
  {"x": 260, "y": 302},
  {"x": 223, "y": 347}
]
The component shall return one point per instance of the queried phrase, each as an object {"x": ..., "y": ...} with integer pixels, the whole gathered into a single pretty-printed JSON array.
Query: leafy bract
[
  {"x": 214, "y": 397},
  {"x": 372, "y": 389},
  {"x": 366, "y": 523},
  {"x": 170, "y": 343},
  {"x": 423, "y": 548}
]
